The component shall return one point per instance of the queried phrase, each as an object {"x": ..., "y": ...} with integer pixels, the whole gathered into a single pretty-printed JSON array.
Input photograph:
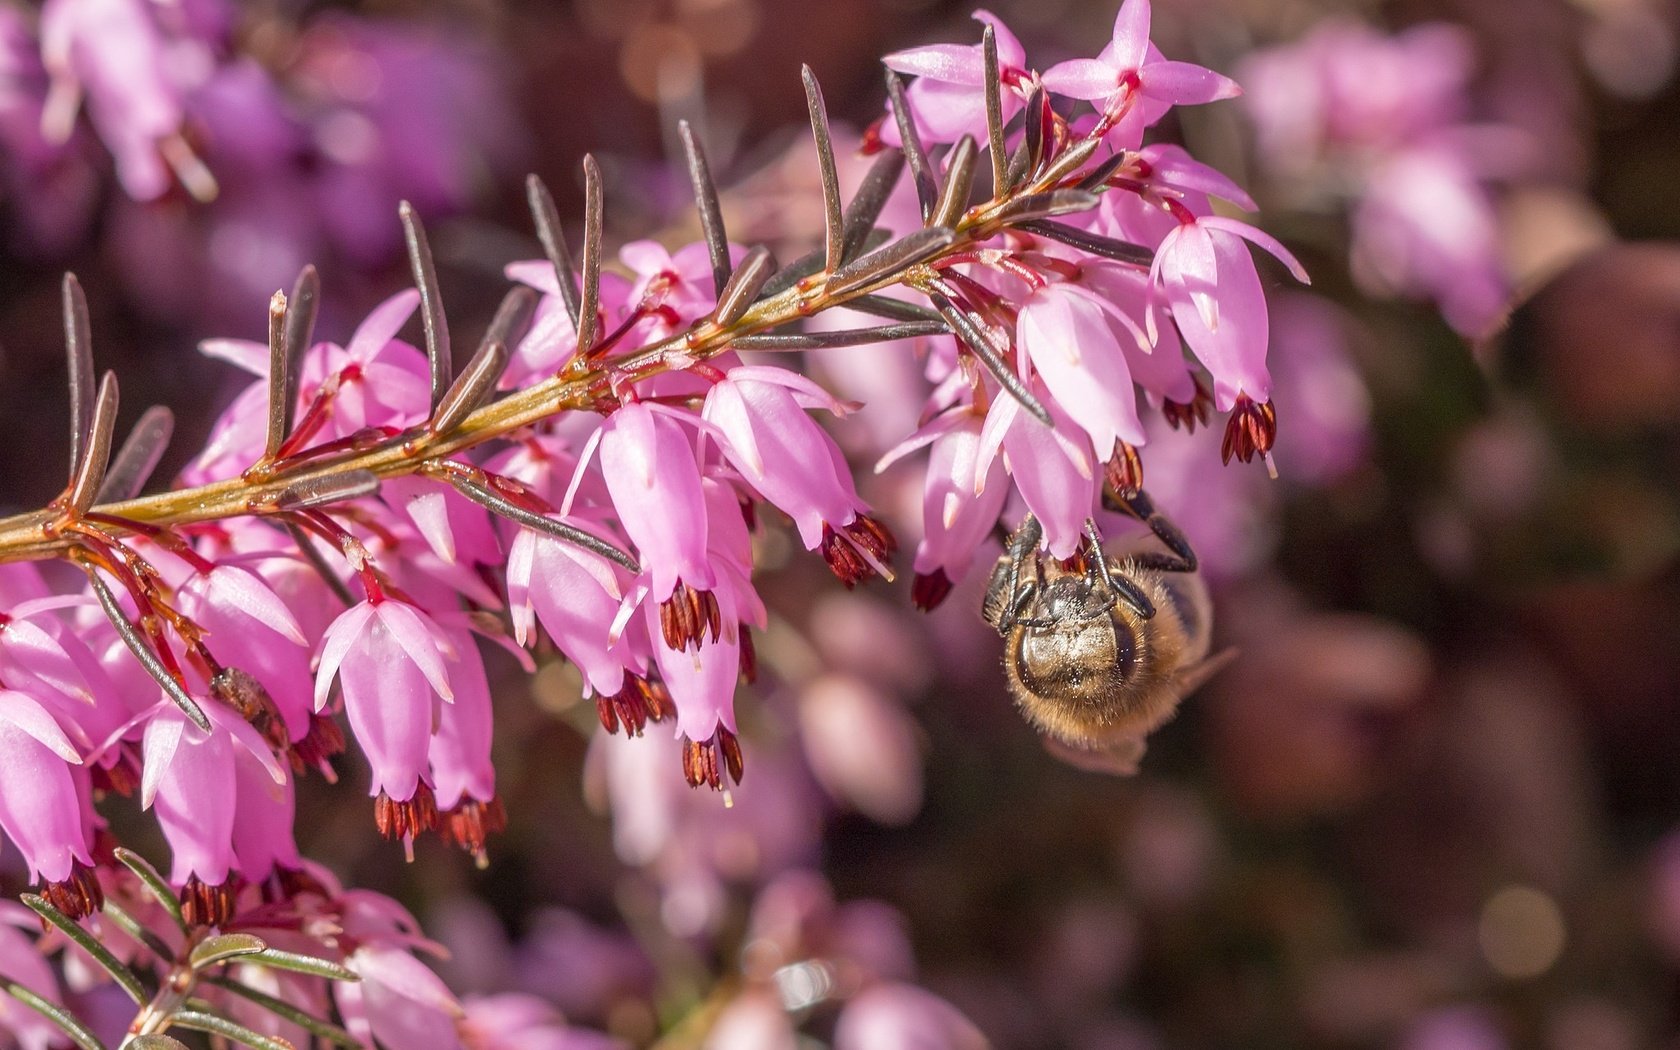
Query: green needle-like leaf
[
  {"x": 203, "y": 1022},
  {"x": 59, "y": 1016},
  {"x": 85, "y": 940},
  {"x": 280, "y": 1008},
  {"x": 275, "y": 959},
  {"x": 147, "y": 874},
  {"x": 220, "y": 949},
  {"x": 155, "y": 1042}
]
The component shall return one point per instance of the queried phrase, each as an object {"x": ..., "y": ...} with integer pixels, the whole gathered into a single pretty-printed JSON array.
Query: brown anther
[
  {"x": 1250, "y": 431},
  {"x": 928, "y": 590},
  {"x": 205, "y": 905},
  {"x": 471, "y": 822},
  {"x": 687, "y": 616},
  {"x": 1124, "y": 471},
  {"x": 635, "y": 705},
  {"x": 406, "y": 819},
  {"x": 700, "y": 760},
  {"x": 1189, "y": 415},
  {"x": 79, "y": 895},
  {"x": 324, "y": 740},
  {"x": 846, "y": 550}
]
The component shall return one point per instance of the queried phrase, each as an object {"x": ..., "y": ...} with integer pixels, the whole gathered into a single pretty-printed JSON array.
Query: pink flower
[
  {"x": 948, "y": 99},
  {"x": 789, "y": 460},
  {"x": 654, "y": 478},
  {"x": 189, "y": 781},
  {"x": 463, "y": 779},
  {"x": 114, "y": 52},
  {"x": 399, "y": 1001},
  {"x": 29, "y": 967},
  {"x": 1209, "y": 279},
  {"x": 1053, "y": 468},
  {"x": 1131, "y": 82},
  {"x": 1074, "y": 337},
  {"x": 389, "y": 659},
  {"x": 575, "y": 594},
  {"x": 960, "y": 507},
  {"x": 40, "y": 802}
]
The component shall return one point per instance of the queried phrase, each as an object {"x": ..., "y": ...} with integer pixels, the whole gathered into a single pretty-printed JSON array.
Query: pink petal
[
  {"x": 381, "y": 325},
  {"x": 1082, "y": 78},
  {"x": 1130, "y": 45},
  {"x": 341, "y": 634},
  {"x": 28, "y": 715},
  {"x": 1186, "y": 84},
  {"x": 951, "y": 63},
  {"x": 420, "y": 639}
]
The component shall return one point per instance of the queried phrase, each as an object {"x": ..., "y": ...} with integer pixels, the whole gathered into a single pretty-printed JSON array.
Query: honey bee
[{"x": 1100, "y": 652}]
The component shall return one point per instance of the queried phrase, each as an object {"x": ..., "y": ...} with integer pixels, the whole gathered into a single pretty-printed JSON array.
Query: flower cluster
[
  {"x": 1348, "y": 111},
  {"x": 285, "y": 138},
  {"x": 363, "y": 517}
]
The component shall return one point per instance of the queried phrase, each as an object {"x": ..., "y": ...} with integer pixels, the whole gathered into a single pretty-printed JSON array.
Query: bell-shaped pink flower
[
  {"x": 1130, "y": 80},
  {"x": 654, "y": 478},
  {"x": 389, "y": 659},
  {"x": 575, "y": 594},
  {"x": 959, "y": 507},
  {"x": 399, "y": 1001},
  {"x": 1053, "y": 467},
  {"x": 263, "y": 842},
  {"x": 112, "y": 51},
  {"x": 40, "y": 809},
  {"x": 463, "y": 778},
  {"x": 780, "y": 451},
  {"x": 1160, "y": 370},
  {"x": 1208, "y": 277},
  {"x": 1073, "y": 338},
  {"x": 189, "y": 781}
]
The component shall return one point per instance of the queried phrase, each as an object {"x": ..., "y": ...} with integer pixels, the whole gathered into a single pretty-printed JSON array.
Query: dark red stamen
[
  {"x": 701, "y": 764},
  {"x": 1124, "y": 471},
  {"x": 1250, "y": 431},
  {"x": 205, "y": 905},
  {"x": 858, "y": 550},
  {"x": 687, "y": 616},
  {"x": 471, "y": 823},
  {"x": 406, "y": 819},
  {"x": 1188, "y": 416},
  {"x": 929, "y": 589},
  {"x": 79, "y": 895}
]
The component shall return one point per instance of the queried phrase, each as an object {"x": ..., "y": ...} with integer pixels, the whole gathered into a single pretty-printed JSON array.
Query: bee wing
[
  {"x": 1195, "y": 676},
  {"x": 1119, "y": 756}
]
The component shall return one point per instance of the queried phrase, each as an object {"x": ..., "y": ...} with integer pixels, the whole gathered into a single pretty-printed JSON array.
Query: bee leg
[
  {"x": 1018, "y": 591},
  {"x": 1141, "y": 507},
  {"x": 1119, "y": 587}
]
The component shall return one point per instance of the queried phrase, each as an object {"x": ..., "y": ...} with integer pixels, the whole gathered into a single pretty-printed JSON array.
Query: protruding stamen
[
  {"x": 1250, "y": 431},
  {"x": 408, "y": 819},
  {"x": 687, "y": 616},
  {"x": 471, "y": 823},
  {"x": 1123, "y": 473},
  {"x": 716, "y": 762},
  {"x": 77, "y": 896},
  {"x": 858, "y": 550},
  {"x": 929, "y": 590},
  {"x": 205, "y": 905}
]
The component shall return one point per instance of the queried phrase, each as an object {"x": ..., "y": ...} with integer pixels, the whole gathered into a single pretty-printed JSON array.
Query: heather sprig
[{"x": 367, "y": 512}]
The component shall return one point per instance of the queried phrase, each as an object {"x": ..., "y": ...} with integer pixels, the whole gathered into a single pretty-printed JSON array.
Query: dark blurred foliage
[{"x": 1427, "y": 807}]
